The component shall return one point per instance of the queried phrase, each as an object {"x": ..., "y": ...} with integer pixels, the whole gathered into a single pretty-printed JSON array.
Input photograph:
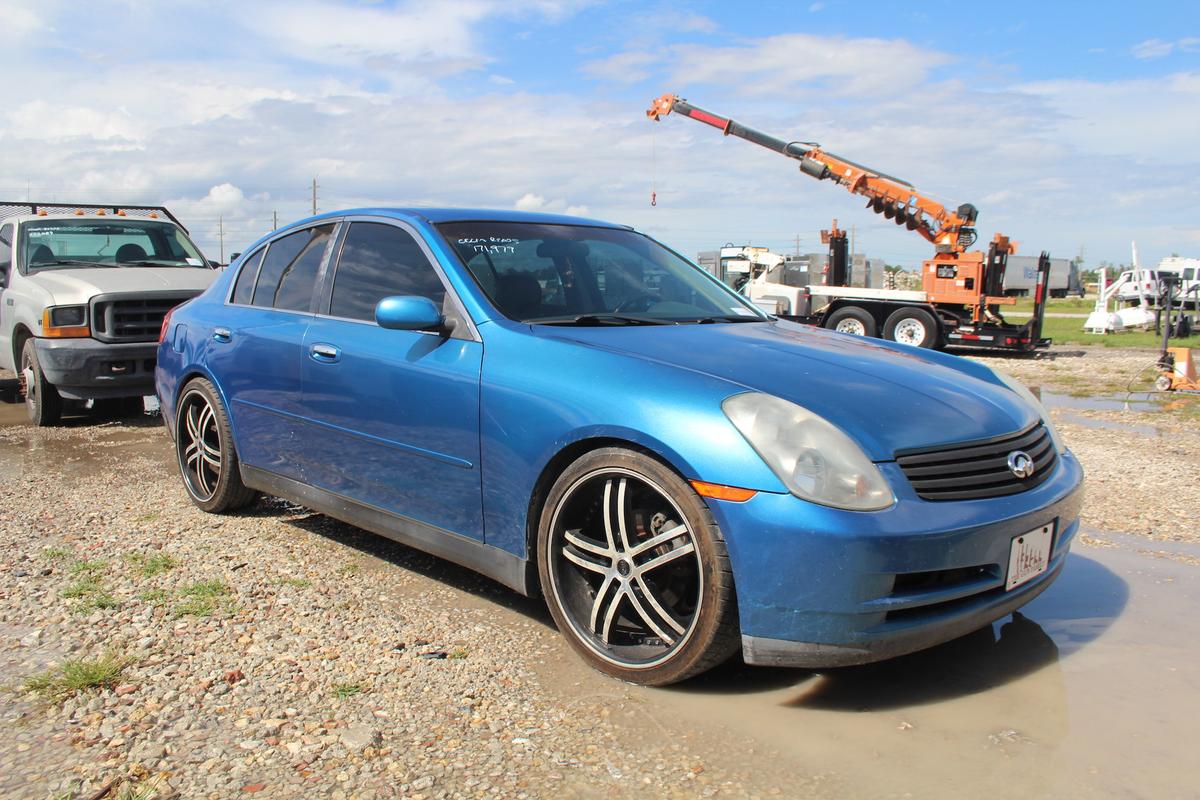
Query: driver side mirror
[{"x": 409, "y": 313}]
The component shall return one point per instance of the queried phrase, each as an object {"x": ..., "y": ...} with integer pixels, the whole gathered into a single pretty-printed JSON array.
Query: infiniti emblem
[{"x": 1021, "y": 464}]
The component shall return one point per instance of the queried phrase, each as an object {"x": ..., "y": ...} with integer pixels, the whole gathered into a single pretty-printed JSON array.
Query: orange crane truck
[{"x": 962, "y": 290}]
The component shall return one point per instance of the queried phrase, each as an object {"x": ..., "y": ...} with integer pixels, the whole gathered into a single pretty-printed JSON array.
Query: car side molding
[{"x": 500, "y": 565}]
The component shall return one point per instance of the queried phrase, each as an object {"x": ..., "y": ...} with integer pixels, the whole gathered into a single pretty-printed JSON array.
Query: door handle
[
  {"x": 222, "y": 334},
  {"x": 325, "y": 353}
]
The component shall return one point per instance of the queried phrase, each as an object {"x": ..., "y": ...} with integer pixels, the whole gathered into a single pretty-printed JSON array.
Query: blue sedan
[{"x": 576, "y": 411}]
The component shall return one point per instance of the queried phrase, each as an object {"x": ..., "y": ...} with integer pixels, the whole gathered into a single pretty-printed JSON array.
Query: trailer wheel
[
  {"x": 912, "y": 326},
  {"x": 852, "y": 320}
]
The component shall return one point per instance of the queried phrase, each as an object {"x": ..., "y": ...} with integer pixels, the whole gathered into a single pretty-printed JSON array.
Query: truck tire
[
  {"x": 852, "y": 320},
  {"x": 912, "y": 326},
  {"x": 42, "y": 400}
]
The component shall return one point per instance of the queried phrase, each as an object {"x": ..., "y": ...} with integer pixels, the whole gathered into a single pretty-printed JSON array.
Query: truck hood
[
  {"x": 886, "y": 397},
  {"x": 72, "y": 286}
]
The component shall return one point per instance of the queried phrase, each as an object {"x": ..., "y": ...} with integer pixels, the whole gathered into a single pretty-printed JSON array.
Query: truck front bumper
[
  {"x": 820, "y": 587},
  {"x": 84, "y": 369}
]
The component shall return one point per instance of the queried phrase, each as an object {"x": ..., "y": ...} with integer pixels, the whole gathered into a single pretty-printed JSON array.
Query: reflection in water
[{"x": 973, "y": 663}]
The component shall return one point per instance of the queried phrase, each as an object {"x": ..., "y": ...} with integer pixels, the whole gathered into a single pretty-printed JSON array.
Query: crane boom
[{"x": 951, "y": 232}]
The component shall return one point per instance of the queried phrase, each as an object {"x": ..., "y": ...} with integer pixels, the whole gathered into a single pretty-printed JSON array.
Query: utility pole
[
  {"x": 274, "y": 220},
  {"x": 314, "y": 196},
  {"x": 221, "y": 235},
  {"x": 797, "y": 245}
]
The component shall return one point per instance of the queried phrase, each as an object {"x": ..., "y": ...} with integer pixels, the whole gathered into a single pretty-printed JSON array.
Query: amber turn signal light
[
  {"x": 720, "y": 492},
  {"x": 52, "y": 331}
]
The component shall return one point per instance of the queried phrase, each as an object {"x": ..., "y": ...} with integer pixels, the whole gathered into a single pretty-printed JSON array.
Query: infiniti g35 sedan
[{"x": 576, "y": 411}]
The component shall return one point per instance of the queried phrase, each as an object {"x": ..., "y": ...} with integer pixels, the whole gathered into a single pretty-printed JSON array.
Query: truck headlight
[
  {"x": 1021, "y": 391},
  {"x": 813, "y": 458},
  {"x": 65, "y": 321}
]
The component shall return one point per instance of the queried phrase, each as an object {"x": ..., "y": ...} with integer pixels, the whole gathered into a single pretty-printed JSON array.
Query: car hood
[
  {"x": 886, "y": 397},
  {"x": 68, "y": 286}
]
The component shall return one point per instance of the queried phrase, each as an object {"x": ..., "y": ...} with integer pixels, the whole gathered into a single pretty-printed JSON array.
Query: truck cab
[{"x": 83, "y": 292}]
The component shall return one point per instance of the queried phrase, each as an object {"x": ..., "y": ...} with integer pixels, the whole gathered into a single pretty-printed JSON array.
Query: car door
[
  {"x": 256, "y": 347},
  {"x": 394, "y": 415}
]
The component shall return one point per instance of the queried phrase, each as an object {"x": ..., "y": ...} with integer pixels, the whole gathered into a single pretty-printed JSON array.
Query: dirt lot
[{"x": 278, "y": 653}]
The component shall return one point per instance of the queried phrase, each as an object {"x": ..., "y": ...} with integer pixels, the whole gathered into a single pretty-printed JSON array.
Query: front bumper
[
  {"x": 822, "y": 587},
  {"x": 84, "y": 369}
]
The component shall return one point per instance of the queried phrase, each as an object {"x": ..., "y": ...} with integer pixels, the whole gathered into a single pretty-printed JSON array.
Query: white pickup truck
[{"x": 83, "y": 292}]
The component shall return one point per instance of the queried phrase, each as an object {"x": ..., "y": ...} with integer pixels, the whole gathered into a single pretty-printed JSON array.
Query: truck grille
[
  {"x": 972, "y": 471},
  {"x": 133, "y": 319}
]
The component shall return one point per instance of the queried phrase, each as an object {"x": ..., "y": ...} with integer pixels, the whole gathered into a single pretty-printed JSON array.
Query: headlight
[
  {"x": 65, "y": 321},
  {"x": 1021, "y": 391},
  {"x": 68, "y": 316},
  {"x": 814, "y": 459}
]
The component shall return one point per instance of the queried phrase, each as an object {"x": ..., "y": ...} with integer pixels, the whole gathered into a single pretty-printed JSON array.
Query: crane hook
[{"x": 653, "y": 198}]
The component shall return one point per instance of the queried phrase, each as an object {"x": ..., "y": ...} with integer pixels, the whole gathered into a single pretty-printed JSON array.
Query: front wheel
[
  {"x": 42, "y": 400},
  {"x": 911, "y": 326},
  {"x": 635, "y": 571},
  {"x": 204, "y": 448}
]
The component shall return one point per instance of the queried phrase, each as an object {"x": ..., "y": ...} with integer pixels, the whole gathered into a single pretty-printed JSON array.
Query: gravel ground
[{"x": 281, "y": 654}]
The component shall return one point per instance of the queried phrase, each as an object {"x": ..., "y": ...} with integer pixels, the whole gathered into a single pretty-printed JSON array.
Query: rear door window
[
  {"x": 289, "y": 270},
  {"x": 243, "y": 290},
  {"x": 379, "y": 261}
]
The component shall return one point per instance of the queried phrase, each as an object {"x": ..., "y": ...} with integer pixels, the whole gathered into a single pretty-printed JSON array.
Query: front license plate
[{"x": 1029, "y": 555}]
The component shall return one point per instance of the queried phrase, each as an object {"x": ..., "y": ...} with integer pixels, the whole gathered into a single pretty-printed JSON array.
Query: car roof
[{"x": 439, "y": 215}]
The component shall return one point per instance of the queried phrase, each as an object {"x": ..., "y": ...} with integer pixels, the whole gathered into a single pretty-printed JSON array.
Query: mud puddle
[
  {"x": 83, "y": 445},
  {"x": 1091, "y": 691}
]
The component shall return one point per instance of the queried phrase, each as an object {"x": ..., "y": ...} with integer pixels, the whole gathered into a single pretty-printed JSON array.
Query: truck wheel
[
  {"x": 204, "y": 449},
  {"x": 635, "y": 571},
  {"x": 913, "y": 326},
  {"x": 852, "y": 320},
  {"x": 42, "y": 401}
]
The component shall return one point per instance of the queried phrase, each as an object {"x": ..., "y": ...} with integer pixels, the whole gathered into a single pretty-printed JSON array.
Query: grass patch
[
  {"x": 90, "y": 593},
  {"x": 1070, "y": 331},
  {"x": 201, "y": 599},
  {"x": 55, "y": 553},
  {"x": 88, "y": 567},
  {"x": 100, "y": 600},
  {"x": 457, "y": 654},
  {"x": 296, "y": 583},
  {"x": 151, "y": 564},
  {"x": 154, "y": 596},
  {"x": 344, "y": 691},
  {"x": 82, "y": 588},
  {"x": 350, "y": 569},
  {"x": 76, "y": 675}
]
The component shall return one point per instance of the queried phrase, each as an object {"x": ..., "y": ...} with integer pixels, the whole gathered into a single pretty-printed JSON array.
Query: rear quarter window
[{"x": 243, "y": 290}]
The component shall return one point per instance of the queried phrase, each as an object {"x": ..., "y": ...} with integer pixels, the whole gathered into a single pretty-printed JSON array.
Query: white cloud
[
  {"x": 577, "y": 211},
  {"x": 815, "y": 7},
  {"x": 529, "y": 202},
  {"x": 500, "y": 80},
  {"x": 1152, "y": 48},
  {"x": 626, "y": 67}
]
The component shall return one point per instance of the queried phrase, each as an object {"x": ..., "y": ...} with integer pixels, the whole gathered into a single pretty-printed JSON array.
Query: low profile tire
[
  {"x": 42, "y": 400},
  {"x": 635, "y": 571},
  {"x": 912, "y": 326},
  {"x": 853, "y": 320},
  {"x": 204, "y": 449}
]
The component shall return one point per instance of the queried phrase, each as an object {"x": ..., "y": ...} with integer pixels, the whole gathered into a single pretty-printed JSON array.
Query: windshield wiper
[
  {"x": 162, "y": 262},
  {"x": 69, "y": 263},
  {"x": 600, "y": 319},
  {"x": 728, "y": 318}
]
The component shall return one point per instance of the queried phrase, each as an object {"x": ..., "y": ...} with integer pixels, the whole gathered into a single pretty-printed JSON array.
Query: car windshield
[
  {"x": 577, "y": 275},
  {"x": 69, "y": 243}
]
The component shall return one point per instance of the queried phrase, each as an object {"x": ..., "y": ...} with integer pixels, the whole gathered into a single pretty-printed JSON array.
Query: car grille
[
  {"x": 133, "y": 319},
  {"x": 976, "y": 470}
]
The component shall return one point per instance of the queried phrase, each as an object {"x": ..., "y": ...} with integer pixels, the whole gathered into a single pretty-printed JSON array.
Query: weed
[
  {"x": 88, "y": 567},
  {"x": 76, "y": 675},
  {"x": 296, "y": 583},
  {"x": 151, "y": 564},
  {"x": 457, "y": 654},
  {"x": 56, "y": 553},
  {"x": 96, "y": 601},
  {"x": 201, "y": 599},
  {"x": 350, "y": 569},
  {"x": 344, "y": 691},
  {"x": 154, "y": 596},
  {"x": 82, "y": 588}
]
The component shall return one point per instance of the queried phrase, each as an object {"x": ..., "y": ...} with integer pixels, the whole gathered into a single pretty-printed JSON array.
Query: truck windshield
[
  {"x": 577, "y": 275},
  {"x": 73, "y": 243}
]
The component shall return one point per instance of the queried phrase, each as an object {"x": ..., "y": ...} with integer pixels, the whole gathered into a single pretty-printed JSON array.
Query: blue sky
[{"x": 1070, "y": 125}]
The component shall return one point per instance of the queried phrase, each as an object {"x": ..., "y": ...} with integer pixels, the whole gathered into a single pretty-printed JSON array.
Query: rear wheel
[
  {"x": 853, "y": 320},
  {"x": 42, "y": 400},
  {"x": 635, "y": 571},
  {"x": 912, "y": 326},
  {"x": 204, "y": 448}
]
